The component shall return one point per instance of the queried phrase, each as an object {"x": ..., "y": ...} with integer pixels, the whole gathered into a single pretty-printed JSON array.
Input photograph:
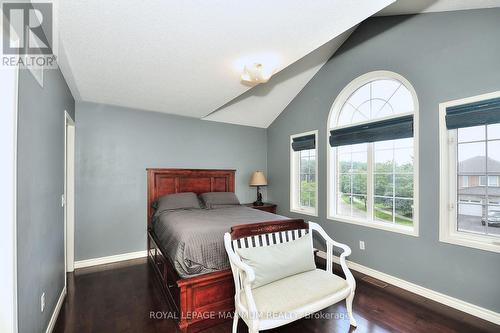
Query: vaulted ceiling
[{"x": 186, "y": 57}]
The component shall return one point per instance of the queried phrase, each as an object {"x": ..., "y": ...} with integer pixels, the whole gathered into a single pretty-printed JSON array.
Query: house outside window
[{"x": 470, "y": 149}]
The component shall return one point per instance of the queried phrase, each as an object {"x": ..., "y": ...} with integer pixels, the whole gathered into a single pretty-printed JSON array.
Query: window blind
[
  {"x": 473, "y": 114},
  {"x": 305, "y": 142},
  {"x": 388, "y": 129}
]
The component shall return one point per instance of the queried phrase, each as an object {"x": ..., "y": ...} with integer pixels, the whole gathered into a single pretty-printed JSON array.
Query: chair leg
[
  {"x": 348, "y": 302},
  {"x": 235, "y": 322}
]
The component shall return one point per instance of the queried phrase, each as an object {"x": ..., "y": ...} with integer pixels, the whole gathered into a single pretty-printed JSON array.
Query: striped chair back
[{"x": 267, "y": 233}]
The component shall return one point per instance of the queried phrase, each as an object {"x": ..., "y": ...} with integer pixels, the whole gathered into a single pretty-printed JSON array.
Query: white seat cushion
[{"x": 285, "y": 296}]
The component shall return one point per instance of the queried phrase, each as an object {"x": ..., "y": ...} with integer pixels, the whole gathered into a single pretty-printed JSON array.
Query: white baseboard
[
  {"x": 55, "y": 313},
  {"x": 110, "y": 259},
  {"x": 456, "y": 303}
]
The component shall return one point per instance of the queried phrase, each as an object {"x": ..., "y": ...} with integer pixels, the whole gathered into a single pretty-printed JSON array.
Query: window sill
[
  {"x": 410, "y": 231},
  {"x": 304, "y": 212},
  {"x": 484, "y": 243}
]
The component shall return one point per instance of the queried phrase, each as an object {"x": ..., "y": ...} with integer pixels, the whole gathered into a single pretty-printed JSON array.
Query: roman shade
[
  {"x": 473, "y": 114},
  {"x": 305, "y": 142},
  {"x": 388, "y": 129}
]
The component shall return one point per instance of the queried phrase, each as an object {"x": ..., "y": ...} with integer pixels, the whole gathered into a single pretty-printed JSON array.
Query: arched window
[{"x": 372, "y": 153}]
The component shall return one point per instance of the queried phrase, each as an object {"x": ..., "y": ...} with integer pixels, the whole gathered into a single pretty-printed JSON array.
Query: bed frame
[
  {"x": 200, "y": 301},
  {"x": 204, "y": 300}
]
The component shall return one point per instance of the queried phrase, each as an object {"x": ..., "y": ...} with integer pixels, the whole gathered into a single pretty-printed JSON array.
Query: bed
[
  {"x": 194, "y": 239},
  {"x": 185, "y": 248}
]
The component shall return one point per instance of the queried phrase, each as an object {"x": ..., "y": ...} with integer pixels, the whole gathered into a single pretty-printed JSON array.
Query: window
[
  {"x": 493, "y": 180},
  {"x": 303, "y": 173},
  {"x": 372, "y": 154},
  {"x": 488, "y": 180},
  {"x": 463, "y": 181},
  {"x": 470, "y": 149}
]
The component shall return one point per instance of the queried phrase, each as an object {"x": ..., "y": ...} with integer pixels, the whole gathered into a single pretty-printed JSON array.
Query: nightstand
[{"x": 267, "y": 207}]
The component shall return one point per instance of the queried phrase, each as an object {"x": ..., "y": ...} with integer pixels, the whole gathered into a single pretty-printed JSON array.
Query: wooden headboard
[{"x": 167, "y": 181}]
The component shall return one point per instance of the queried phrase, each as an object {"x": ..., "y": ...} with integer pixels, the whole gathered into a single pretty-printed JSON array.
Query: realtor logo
[
  {"x": 32, "y": 23},
  {"x": 28, "y": 33}
]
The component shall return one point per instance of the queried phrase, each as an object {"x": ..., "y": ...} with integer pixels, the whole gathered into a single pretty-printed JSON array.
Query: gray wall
[
  {"x": 40, "y": 222},
  {"x": 115, "y": 145},
  {"x": 445, "y": 56}
]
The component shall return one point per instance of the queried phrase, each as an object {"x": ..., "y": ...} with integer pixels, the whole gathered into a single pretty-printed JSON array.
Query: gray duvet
[{"x": 194, "y": 239}]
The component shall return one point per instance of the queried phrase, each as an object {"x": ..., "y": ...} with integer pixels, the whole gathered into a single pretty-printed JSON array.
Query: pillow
[
  {"x": 184, "y": 200},
  {"x": 222, "y": 206},
  {"x": 275, "y": 262},
  {"x": 212, "y": 199}
]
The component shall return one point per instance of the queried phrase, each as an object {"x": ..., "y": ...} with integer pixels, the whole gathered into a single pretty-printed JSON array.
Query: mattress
[{"x": 194, "y": 239}]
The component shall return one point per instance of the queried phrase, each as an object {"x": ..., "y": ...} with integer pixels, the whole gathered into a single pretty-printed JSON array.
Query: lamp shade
[{"x": 258, "y": 179}]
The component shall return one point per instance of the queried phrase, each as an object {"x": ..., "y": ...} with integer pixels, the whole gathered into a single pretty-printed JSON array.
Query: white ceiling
[
  {"x": 426, "y": 6},
  {"x": 185, "y": 57},
  {"x": 259, "y": 106}
]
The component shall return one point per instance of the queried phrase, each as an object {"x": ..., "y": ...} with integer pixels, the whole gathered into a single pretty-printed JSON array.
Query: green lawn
[
  {"x": 379, "y": 213},
  {"x": 387, "y": 217}
]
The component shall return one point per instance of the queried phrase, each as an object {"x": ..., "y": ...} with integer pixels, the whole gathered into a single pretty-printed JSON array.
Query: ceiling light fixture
[{"x": 257, "y": 73}]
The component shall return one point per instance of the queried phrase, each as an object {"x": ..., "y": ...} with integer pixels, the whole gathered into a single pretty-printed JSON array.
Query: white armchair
[{"x": 292, "y": 297}]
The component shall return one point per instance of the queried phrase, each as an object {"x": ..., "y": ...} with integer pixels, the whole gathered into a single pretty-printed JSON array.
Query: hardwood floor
[{"x": 120, "y": 298}]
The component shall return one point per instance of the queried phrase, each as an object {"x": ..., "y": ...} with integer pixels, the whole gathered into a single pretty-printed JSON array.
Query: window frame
[
  {"x": 335, "y": 110},
  {"x": 294, "y": 167},
  {"x": 448, "y": 224}
]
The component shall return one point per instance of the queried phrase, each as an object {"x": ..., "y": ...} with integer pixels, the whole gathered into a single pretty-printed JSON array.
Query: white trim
[
  {"x": 110, "y": 259},
  {"x": 448, "y": 232},
  {"x": 293, "y": 199},
  {"x": 376, "y": 225},
  {"x": 16, "y": 118},
  {"x": 305, "y": 212},
  {"x": 69, "y": 193},
  {"x": 335, "y": 111},
  {"x": 55, "y": 313},
  {"x": 8, "y": 194},
  {"x": 436, "y": 296}
]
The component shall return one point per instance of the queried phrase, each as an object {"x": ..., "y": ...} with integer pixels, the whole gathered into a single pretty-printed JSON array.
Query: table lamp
[{"x": 258, "y": 179}]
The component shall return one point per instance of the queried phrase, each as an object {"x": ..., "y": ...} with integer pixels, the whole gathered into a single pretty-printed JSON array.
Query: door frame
[
  {"x": 8, "y": 195},
  {"x": 68, "y": 200}
]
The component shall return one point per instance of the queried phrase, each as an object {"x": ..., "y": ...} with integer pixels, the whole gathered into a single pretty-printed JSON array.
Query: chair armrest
[
  {"x": 248, "y": 277},
  {"x": 346, "y": 251},
  {"x": 236, "y": 261}
]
